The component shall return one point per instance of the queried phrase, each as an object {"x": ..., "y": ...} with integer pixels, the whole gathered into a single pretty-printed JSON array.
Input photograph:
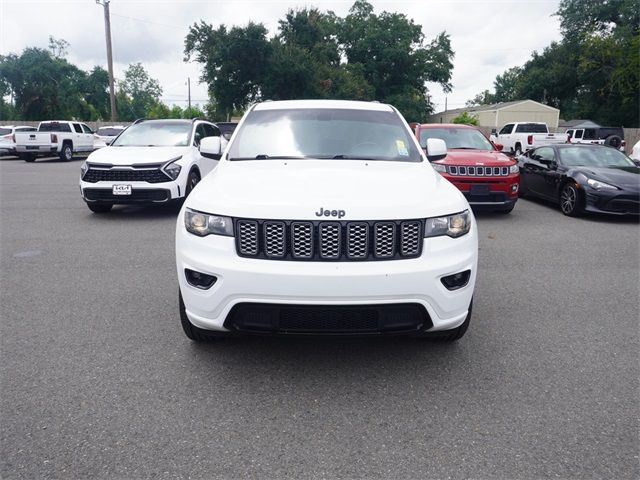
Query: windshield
[
  {"x": 323, "y": 133},
  {"x": 155, "y": 134},
  {"x": 109, "y": 131},
  {"x": 467, "y": 138},
  {"x": 593, "y": 157}
]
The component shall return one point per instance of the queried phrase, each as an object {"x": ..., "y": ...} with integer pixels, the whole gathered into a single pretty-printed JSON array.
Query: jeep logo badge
[{"x": 330, "y": 213}]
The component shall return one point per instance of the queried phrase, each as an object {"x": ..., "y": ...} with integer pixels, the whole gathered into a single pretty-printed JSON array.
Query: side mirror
[
  {"x": 436, "y": 149},
  {"x": 211, "y": 147},
  {"x": 551, "y": 164},
  {"x": 494, "y": 131},
  {"x": 498, "y": 146}
]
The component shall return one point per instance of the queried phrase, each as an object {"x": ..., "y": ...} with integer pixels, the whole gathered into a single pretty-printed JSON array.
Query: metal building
[{"x": 499, "y": 114}]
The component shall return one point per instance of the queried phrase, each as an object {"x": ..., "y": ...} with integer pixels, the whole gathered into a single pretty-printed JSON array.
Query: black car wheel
[
  {"x": 191, "y": 331},
  {"x": 571, "y": 200},
  {"x": 192, "y": 181},
  {"x": 455, "y": 333},
  {"x": 99, "y": 207}
]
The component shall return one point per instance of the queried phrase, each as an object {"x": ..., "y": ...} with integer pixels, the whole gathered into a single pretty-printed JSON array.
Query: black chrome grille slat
[{"x": 329, "y": 240}]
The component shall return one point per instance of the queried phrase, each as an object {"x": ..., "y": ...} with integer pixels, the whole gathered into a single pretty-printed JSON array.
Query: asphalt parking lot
[{"x": 98, "y": 379}]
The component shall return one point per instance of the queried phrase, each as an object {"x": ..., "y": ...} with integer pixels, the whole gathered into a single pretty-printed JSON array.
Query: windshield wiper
[
  {"x": 264, "y": 156},
  {"x": 352, "y": 157}
]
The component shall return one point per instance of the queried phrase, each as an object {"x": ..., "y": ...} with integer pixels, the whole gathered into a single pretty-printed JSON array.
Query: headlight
[
  {"x": 84, "y": 168},
  {"x": 438, "y": 167},
  {"x": 203, "y": 224},
  {"x": 452, "y": 225},
  {"x": 514, "y": 168},
  {"x": 596, "y": 185},
  {"x": 172, "y": 169}
]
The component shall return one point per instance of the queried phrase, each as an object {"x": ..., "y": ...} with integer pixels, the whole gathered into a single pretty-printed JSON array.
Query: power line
[{"x": 148, "y": 21}]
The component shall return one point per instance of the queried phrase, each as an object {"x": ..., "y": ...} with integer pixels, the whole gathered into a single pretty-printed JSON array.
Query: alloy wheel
[{"x": 568, "y": 199}]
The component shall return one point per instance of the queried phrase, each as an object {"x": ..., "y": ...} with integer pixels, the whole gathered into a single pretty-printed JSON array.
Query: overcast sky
[{"x": 487, "y": 36}]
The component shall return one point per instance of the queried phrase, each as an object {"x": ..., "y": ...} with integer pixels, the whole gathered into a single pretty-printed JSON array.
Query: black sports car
[{"x": 580, "y": 178}]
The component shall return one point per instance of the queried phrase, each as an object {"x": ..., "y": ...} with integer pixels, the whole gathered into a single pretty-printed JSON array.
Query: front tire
[
  {"x": 194, "y": 333},
  {"x": 507, "y": 210},
  {"x": 192, "y": 181},
  {"x": 66, "y": 154},
  {"x": 571, "y": 201},
  {"x": 99, "y": 207},
  {"x": 455, "y": 333}
]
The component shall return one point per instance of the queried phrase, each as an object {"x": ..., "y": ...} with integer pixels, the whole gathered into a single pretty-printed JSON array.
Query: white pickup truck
[
  {"x": 60, "y": 138},
  {"x": 518, "y": 137}
]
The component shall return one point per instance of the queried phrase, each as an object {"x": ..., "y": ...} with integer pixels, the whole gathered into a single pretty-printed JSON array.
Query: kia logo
[{"x": 330, "y": 213}]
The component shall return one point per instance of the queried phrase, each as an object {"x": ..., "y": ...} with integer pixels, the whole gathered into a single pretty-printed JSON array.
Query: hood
[
  {"x": 298, "y": 189},
  {"x": 618, "y": 176},
  {"x": 135, "y": 155},
  {"x": 476, "y": 157}
]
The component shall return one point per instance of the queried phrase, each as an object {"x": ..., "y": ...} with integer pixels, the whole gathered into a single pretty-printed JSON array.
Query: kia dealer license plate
[{"x": 122, "y": 189}]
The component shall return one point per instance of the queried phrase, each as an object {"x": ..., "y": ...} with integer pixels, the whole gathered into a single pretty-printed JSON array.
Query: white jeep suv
[
  {"x": 152, "y": 161},
  {"x": 325, "y": 217}
]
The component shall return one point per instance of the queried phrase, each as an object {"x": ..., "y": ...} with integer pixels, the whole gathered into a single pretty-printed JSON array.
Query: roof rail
[{"x": 139, "y": 120}]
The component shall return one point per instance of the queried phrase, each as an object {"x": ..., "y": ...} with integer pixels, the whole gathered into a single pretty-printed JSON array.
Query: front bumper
[
  {"x": 612, "y": 202},
  {"x": 241, "y": 281},
  {"x": 141, "y": 192},
  {"x": 488, "y": 193}
]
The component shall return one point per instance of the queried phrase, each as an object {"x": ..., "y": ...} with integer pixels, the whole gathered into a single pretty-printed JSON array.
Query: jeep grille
[{"x": 328, "y": 240}]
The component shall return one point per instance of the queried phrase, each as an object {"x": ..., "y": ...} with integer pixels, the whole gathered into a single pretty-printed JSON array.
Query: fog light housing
[
  {"x": 199, "y": 280},
  {"x": 457, "y": 280},
  {"x": 514, "y": 187}
]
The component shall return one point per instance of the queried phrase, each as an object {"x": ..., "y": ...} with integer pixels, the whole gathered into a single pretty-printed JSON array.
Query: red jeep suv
[{"x": 488, "y": 178}]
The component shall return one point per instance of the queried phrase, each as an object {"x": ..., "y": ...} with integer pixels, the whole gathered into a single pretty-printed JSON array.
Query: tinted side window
[
  {"x": 86, "y": 129},
  {"x": 545, "y": 153},
  {"x": 579, "y": 133},
  {"x": 210, "y": 130},
  {"x": 77, "y": 127},
  {"x": 506, "y": 129},
  {"x": 531, "y": 128},
  {"x": 199, "y": 135}
]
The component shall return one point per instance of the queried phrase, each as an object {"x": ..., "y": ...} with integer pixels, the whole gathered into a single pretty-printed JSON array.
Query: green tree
[
  {"x": 465, "y": 119},
  {"x": 506, "y": 86},
  {"x": 141, "y": 91},
  {"x": 316, "y": 54},
  {"x": 58, "y": 47},
  {"x": 234, "y": 61},
  {"x": 482, "y": 98},
  {"x": 194, "y": 111},
  {"x": 159, "y": 110},
  {"x": 43, "y": 86},
  {"x": 593, "y": 72},
  {"x": 396, "y": 62},
  {"x": 96, "y": 94}
]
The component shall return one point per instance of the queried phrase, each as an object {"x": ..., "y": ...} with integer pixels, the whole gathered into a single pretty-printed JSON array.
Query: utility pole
[
  {"x": 189, "y": 90},
  {"x": 445, "y": 103},
  {"x": 107, "y": 33}
]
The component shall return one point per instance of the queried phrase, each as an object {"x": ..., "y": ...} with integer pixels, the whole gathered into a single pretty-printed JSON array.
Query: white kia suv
[
  {"x": 325, "y": 217},
  {"x": 152, "y": 161}
]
